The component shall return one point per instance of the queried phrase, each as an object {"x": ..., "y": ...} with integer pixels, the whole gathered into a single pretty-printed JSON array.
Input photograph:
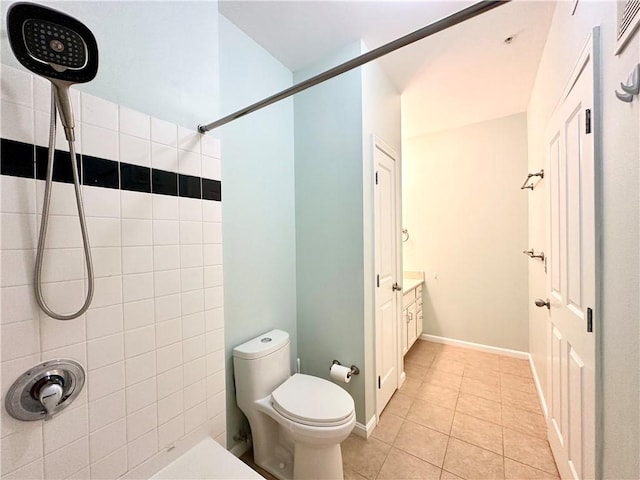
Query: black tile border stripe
[
  {"x": 211, "y": 189},
  {"x": 135, "y": 178},
  {"x": 189, "y": 186},
  {"x": 61, "y": 166},
  {"x": 164, "y": 183},
  {"x": 17, "y": 159},
  {"x": 20, "y": 159}
]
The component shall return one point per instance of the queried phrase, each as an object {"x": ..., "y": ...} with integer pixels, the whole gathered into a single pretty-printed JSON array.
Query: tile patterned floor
[{"x": 461, "y": 414}]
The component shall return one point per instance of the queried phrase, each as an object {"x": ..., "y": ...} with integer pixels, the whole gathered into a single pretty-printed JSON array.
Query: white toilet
[{"x": 297, "y": 422}]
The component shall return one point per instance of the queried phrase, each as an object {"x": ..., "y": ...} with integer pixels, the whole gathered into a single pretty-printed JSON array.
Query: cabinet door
[
  {"x": 403, "y": 334},
  {"x": 419, "y": 315},
  {"x": 411, "y": 326}
]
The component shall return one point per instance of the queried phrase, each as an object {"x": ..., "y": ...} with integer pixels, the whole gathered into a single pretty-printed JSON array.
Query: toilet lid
[{"x": 312, "y": 401}]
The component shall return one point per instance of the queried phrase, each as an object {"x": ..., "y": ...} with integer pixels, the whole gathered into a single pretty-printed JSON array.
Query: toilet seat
[{"x": 312, "y": 401}]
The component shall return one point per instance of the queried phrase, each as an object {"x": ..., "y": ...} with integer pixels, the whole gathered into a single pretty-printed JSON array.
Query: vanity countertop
[{"x": 411, "y": 282}]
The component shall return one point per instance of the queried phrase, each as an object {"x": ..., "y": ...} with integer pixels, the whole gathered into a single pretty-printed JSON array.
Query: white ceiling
[{"x": 462, "y": 75}]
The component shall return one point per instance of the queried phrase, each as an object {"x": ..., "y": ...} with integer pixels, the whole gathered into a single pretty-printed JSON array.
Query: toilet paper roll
[{"x": 340, "y": 373}]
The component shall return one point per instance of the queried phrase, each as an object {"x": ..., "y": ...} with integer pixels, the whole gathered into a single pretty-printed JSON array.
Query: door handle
[
  {"x": 396, "y": 288},
  {"x": 542, "y": 303}
]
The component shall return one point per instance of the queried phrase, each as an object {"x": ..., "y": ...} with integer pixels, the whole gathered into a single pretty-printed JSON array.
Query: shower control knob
[
  {"x": 45, "y": 390},
  {"x": 50, "y": 395}
]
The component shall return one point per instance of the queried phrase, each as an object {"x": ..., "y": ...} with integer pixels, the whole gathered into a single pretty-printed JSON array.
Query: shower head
[{"x": 56, "y": 46}]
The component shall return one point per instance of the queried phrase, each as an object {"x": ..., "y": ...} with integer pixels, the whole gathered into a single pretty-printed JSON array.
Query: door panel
[
  {"x": 571, "y": 279},
  {"x": 386, "y": 259}
]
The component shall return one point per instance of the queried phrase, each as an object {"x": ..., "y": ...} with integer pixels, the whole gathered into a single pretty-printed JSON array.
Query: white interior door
[
  {"x": 386, "y": 264},
  {"x": 572, "y": 321}
]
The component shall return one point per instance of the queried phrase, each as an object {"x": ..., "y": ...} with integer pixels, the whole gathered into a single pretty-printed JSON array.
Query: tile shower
[{"x": 152, "y": 342}]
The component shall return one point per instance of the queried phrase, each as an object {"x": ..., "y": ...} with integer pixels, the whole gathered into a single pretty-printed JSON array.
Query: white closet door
[{"x": 573, "y": 319}]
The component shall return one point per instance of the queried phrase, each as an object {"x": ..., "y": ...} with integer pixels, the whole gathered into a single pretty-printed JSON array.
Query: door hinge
[
  {"x": 376, "y": 178},
  {"x": 379, "y": 385},
  {"x": 378, "y": 280},
  {"x": 587, "y": 120},
  {"x": 589, "y": 320}
]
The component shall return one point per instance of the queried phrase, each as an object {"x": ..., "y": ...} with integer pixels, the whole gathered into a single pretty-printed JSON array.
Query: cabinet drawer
[{"x": 408, "y": 298}]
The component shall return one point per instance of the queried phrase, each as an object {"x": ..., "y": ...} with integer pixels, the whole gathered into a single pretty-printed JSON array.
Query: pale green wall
[
  {"x": 258, "y": 202},
  {"x": 335, "y": 123},
  {"x": 329, "y": 250},
  {"x": 159, "y": 58},
  {"x": 619, "y": 307}
]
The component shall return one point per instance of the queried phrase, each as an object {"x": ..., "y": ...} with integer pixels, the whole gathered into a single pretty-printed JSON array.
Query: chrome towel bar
[
  {"x": 533, "y": 254},
  {"x": 532, "y": 185}
]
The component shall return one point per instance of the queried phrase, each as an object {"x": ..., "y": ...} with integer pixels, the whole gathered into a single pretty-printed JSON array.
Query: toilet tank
[{"x": 260, "y": 365}]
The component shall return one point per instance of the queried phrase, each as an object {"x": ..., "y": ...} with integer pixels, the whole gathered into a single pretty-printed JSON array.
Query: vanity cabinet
[{"x": 411, "y": 315}]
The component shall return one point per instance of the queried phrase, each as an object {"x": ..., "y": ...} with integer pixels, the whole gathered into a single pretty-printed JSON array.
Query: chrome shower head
[{"x": 56, "y": 46}]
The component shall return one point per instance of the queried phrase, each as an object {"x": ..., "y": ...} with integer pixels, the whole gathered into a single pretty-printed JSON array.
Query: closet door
[{"x": 573, "y": 318}]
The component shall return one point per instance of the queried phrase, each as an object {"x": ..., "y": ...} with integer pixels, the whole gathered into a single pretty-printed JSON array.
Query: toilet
[{"x": 297, "y": 421}]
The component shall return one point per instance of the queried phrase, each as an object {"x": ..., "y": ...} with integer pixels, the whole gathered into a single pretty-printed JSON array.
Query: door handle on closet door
[{"x": 543, "y": 303}]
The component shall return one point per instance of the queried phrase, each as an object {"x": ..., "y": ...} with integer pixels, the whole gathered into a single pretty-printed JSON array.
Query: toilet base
[{"x": 321, "y": 463}]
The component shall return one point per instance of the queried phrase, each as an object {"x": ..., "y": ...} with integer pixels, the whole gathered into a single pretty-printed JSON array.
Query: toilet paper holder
[{"x": 354, "y": 370}]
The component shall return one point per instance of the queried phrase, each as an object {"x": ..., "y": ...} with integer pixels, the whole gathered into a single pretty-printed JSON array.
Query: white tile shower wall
[{"x": 152, "y": 341}]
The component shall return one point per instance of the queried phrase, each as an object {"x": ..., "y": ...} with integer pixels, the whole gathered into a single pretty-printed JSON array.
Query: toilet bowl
[{"x": 297, "y": 421}]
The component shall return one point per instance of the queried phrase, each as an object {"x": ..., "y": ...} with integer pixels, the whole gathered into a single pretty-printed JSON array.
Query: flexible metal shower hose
[{"x": 45, "y": 221}]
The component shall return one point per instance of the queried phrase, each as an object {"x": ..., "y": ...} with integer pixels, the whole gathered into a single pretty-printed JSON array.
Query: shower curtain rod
[{"x": 443, "y": 24}]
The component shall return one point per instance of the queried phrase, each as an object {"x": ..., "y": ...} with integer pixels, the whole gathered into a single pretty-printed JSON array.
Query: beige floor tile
[
  {"x": 523, "y": 400},
  {"x": 415, "y": 370},
  {"x": 477, "y": 432},
  {"x": 438, "y": 395},
  {"x": 480, "y": 389},
  {"x": 482, "y": 359},
  {"x": 364, "y": 457},
  {"x": 448, "y": 476},
  {"x": 515, "y": 366},
  {"x": 351, "y": 475},
  {"x": 471, "y": 462},
  {"x": 449, "y": 365},
  {"x": 387, "y": 428},
  {"x": 454, "y": 349},
  {"x": 488, "y": 377},
  {"x": 431, "y": 415},
  {"x": 516, "y": 382},
  {"x": 488, "y": 403},
  {"x": 480, "y": 408},
  {"x": 422, "y": 442},
  {"x": 442, "y": 378},
  {"x": 524, "y": 421},
  {"x": 402, "y": 466},
  {"x": 517, "y": 471},
  {"x": 484, "y": 374},
  {"x": 420, "y": 356},
  {"x": 426, "y": 346},
  {"x": 529, "y": 450},
  {"x": 399, "y": 404},
  {"x": 411, "y": 386}
]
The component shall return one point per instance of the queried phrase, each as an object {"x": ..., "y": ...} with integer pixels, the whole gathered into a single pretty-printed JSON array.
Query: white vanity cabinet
[{"x": 411, "y": 313}]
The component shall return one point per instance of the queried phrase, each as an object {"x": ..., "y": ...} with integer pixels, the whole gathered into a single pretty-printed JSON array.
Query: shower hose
[{"x": 45, "y": 221}]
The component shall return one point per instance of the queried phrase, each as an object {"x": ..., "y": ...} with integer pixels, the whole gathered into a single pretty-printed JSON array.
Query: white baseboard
[
  {"x": 476, "y": 346},
  {"x": 365, "y": 431},
  {"x": 536, "y": 380}
]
